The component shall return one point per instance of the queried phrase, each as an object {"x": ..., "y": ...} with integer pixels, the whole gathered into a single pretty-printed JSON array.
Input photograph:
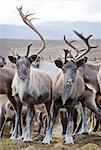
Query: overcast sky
[{"x": 51, "y": 10}]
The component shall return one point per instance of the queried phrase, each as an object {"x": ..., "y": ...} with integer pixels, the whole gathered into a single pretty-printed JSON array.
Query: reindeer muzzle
[
  {"x": 70, "y": 82},
  {"x": 23, "y": 77}
]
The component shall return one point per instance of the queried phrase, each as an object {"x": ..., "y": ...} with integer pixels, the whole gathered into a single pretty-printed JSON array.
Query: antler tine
[
  {"x": 86, "y": 40},
  {"x": 72, "y": 41},
  {"x": 29, "y": 23},
  {"x": 28, "y": 49},
  {"x": 27, "y": 15},
  {"x": 68, "y": 56},
  {"x": 69, "y": 43},
  {"x": 66, "y": 53}
]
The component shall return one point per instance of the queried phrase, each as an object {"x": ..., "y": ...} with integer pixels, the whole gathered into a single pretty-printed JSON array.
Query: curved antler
[
  {"x": 85, "y": 51},
  {"x": 29, "y": 23},
  {"x": 86, "y": 40}
]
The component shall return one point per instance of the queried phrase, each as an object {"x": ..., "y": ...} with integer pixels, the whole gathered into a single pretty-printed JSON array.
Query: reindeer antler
[
  {"x": 29, "y": 23},
  {"x": 68, "y": 54},
  {"x": 86, "y": 40},
  {"x": 77, "y": 56}
]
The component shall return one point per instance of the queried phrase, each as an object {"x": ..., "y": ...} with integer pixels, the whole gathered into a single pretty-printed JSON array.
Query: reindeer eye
[
  {"x": 28, "y": 66},
  {"x": 17, "y": 67}
]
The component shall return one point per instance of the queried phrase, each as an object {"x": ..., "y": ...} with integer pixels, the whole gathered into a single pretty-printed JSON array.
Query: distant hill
[{"x": 51, "y": 30}]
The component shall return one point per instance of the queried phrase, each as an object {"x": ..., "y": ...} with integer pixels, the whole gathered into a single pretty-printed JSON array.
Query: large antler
[
  {"x": 86, "y": 40},
  {"x": 85, "y": 51},
  {"x": 29, "y": 23}
]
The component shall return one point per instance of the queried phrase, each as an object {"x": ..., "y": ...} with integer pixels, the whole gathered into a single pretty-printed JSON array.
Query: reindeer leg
[
  {"x": 63, "y": 118},
  {"x": 48, "y": 136},
  {"x": 14, "y": 135},
  {"x": 69, "y": 131},
  {"x": 84, "y": 123},
  {"x": 48, "y": 106},
  {"x": 2, "y": 121},
  {"x": 96, "y": 125},
  {"x": 91, "y": 121},
  {"x": 75, "y": 114},
  {"x": 29, "y": 117},
  {"x": 12, "y": 126},
  {"x": 77, "y": 130},
  {"x": 90, "y": 103},
  {"x": 45, "y": 123}
]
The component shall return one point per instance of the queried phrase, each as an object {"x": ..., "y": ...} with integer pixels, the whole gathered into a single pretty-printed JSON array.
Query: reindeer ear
[
  {"x": 81, "y": 62},
  {"x": 32, "y": 58},
  {"x": 58, "y": 63},
  {"x": 12, "y": 58}
]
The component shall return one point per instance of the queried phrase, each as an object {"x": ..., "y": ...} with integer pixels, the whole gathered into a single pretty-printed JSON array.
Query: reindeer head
[
  {"x": 23, "y": 63},
  {"x": 69, "y": 68},
  {"x": 2, "y": 61}
]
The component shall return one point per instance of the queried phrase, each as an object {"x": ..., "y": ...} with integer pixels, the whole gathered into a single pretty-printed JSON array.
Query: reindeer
[
  {"x": 91, "y": 72},
  {"x": 7, "y": 101},
  {"x": 50, "y": 68},
  {"x": 5, "y": 89},
  {"x": 29, "y": 86},
  {"x": 73, "y": 90},
  {"x": 6, "y": 76}
]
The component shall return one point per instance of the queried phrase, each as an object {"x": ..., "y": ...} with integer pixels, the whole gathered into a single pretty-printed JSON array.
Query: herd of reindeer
[{"x": 37, "y": 90}]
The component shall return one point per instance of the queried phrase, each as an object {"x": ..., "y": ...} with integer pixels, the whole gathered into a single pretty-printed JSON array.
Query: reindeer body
[
  {"x": 38, "y": 86},
  {"x": 6, "y": 77},
  {"x": 91, "y": 73}
]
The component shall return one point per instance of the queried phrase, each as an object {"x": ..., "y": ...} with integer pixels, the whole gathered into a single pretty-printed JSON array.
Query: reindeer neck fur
[
  {"x": 19, "y": 87},
  {"x": 78, "y": 86},
  {"x": 37, "y": 85}
]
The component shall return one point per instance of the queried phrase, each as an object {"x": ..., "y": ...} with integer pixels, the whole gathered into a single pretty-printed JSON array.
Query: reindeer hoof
[
  {"x": 46, "y": 140},
  {"x": 69, "y": 140},
  {"x": 13, "y": 138},
  {"x": 27, "y": 138}
]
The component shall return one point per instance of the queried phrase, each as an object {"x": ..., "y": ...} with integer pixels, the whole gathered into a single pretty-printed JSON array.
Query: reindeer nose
[
  {"x": 23, "y": 77},
  {"x": 70, "y": 82}
]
